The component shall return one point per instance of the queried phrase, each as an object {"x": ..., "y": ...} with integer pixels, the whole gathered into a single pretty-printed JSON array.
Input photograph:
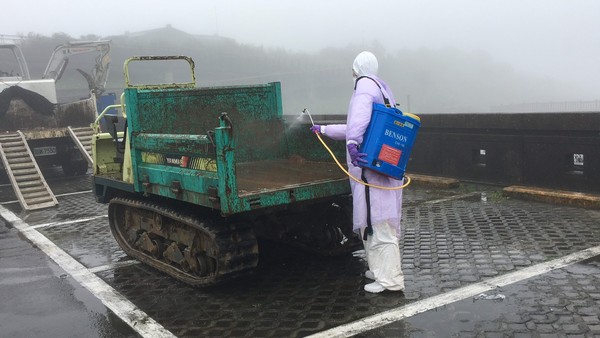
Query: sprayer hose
[{"x": 356, "y": 179}]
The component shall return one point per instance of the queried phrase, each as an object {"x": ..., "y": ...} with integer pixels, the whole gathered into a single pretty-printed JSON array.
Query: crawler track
[{"x": 197, "y": 250}]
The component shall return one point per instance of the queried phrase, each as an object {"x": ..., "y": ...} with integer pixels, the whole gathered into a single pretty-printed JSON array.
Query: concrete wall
[{"x": 551, "y": 150}]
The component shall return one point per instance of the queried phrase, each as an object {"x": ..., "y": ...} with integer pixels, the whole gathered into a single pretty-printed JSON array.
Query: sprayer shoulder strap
[{"x": 385, "y": 99}]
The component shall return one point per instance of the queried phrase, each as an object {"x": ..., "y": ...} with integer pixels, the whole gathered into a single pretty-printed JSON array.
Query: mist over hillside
[{"x": 429, "y": 80}]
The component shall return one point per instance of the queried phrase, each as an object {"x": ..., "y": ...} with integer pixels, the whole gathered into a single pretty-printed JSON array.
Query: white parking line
[
  {"x": 67, "y": 222},
  {"x": 114, "y": 265},
  {"x": 73, "y": 193},
  {"x": 394, "y": 315},
  {"x": 59, "y": 195},
  {"x": 123, "y": 308},
  {"x": 457, "y": 197}
]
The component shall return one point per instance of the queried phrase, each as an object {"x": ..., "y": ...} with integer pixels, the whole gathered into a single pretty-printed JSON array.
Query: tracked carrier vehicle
[{"x": 199, "y": 173}]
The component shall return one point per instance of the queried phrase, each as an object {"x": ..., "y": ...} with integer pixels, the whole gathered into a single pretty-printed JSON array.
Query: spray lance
[{"x": 407, "y": 179}]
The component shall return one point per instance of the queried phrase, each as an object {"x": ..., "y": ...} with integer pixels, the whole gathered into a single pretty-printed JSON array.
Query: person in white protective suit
[{"x": 376, "y": 212}]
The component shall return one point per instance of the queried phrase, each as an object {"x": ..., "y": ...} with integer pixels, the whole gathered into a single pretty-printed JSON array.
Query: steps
[
  {"x": 82, "y": 137},
  {"x": 24, "y": 174}
]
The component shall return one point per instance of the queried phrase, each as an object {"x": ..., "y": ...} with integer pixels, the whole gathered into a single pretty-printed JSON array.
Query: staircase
[
  {"x": 24, "y": 174},
  {"x": 83, "y": 139}
]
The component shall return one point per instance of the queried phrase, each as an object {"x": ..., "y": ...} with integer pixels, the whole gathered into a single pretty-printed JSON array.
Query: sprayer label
[
  {"x": 395, "y": 135},
  {"x": 389, "y": 155}
]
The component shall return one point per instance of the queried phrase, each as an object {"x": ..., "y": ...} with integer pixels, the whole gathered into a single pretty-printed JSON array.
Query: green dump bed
[{"x": 226, "y": 148}]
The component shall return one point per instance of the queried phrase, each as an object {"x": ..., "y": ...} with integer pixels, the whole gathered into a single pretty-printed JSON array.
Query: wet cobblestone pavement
[
  {"x": 452, "y": 238},
  {"x": 561, "y": 303}
]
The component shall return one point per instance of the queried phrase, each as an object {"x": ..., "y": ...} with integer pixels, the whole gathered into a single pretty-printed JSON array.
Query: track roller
[{"x": 196, "y": 249}]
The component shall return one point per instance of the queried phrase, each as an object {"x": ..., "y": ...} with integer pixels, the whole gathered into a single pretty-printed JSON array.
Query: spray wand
[{"x": 305, "y": 111}]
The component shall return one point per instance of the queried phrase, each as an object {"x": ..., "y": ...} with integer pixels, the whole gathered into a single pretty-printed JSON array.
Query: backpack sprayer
[{"x": 388, "y": 141}]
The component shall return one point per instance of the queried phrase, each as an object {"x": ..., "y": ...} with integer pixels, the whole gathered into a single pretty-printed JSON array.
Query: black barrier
[{"x": 549, "y": 150}]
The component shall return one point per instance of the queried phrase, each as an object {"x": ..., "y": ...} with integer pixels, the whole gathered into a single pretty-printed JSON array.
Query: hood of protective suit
[{"x": 365, "y": 64}]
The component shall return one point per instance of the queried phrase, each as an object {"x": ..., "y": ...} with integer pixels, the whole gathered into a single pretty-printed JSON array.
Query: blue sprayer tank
[{"x": 388, "y": 140}]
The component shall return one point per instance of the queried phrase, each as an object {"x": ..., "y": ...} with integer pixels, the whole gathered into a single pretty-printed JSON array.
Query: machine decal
[{"x": 182, "y": 161}]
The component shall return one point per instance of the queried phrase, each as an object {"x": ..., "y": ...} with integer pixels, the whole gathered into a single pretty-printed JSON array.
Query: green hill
[{"x": 436, "y": 80}]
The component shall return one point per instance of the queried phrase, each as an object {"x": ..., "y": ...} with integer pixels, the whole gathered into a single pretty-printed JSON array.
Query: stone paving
[
  {"x": 452, "y": 238},
  {"x": 561, "y": 303}
]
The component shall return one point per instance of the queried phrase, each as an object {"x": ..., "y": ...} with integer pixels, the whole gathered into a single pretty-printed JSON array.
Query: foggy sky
[{"x": 557, "y": 39}]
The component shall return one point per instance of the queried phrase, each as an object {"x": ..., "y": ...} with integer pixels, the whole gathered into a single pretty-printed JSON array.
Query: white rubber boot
[{"x": 374, "y": 287}]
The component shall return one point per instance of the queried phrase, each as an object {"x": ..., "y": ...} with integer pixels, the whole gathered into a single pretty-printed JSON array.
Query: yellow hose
[{"x": 356, "y": 179}]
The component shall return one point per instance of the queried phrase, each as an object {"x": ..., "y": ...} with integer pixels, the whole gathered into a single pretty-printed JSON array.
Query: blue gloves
[{"x": 355, "y": 157}]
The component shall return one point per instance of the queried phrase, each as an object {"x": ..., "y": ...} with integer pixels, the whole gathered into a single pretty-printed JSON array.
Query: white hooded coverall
[{"x": 382, "y": 247}]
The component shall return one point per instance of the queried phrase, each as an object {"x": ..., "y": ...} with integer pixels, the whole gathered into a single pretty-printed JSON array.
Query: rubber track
[{"x": 236, "y": 244}]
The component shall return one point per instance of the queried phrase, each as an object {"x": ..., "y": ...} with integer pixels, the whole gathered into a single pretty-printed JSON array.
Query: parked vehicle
[
  {"x": 199, "y": 173},
  {"x": 36, "y": 130}
]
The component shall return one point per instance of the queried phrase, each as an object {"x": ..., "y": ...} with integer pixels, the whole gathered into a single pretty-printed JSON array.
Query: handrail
[
  {"x": 96, "y": 123},
  {"x": 191, "y": 84}
]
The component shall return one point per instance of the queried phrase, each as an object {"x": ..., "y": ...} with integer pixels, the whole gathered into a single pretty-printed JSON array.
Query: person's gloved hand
[
  {"x": 316, "y": 128},
  {"x": 355, "y": 156}
]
